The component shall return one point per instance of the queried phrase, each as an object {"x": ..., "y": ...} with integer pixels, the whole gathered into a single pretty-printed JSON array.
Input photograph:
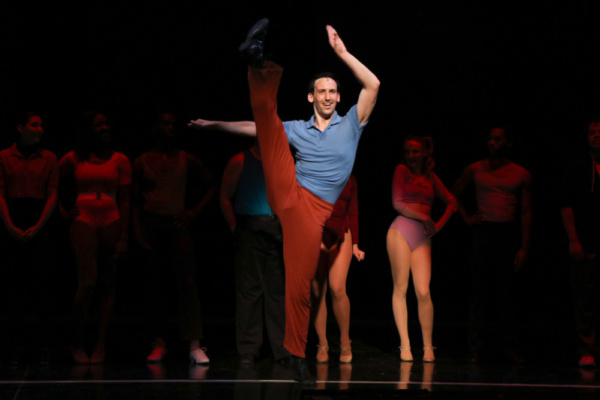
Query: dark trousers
[
  {"x": 260, "y": 285},
  {"x": 493, "y": 284},
  {"x": 172, "y": 258},
  {"x": 584, "y": 284},
  {"x": 27, "y": 277}
]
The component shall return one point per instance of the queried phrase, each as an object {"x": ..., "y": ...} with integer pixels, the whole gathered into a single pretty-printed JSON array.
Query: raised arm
[
  {"x": 370, "y": 84},
  {"x": 242, "y": 128}
]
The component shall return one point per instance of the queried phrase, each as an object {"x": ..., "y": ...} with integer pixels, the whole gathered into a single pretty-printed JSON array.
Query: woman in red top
[
  {"x": 409, "y": 238},
  {"x": 98, "y": 233},
  {"x": 340, "y": 242}
]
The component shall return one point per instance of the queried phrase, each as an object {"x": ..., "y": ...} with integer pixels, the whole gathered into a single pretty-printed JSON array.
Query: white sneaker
[
  {"x": 198, "y": 356},
  {"x": 157, "y": 354}
]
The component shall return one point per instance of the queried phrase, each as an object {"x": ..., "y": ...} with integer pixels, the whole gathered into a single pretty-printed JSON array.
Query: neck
[
  {"x": 27, "y": 149},
  {"x": 321, "y": 122},
  {"x": 498, "y": 161}
]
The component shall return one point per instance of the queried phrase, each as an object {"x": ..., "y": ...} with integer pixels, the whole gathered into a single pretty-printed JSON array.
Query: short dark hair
[
  {"x": 508, "y": 133},
  {"x": 24, "y": 116},
  {"x": 324, "y": 74}
]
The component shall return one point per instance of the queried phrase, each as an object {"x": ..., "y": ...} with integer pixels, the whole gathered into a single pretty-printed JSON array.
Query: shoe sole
[{"x": 258, "y": 28}]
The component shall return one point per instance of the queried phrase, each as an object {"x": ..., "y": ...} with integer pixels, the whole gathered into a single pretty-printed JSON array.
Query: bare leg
[
  {"x": 400, "y": 258},
  {"x": 421, "y": 273},
  {"x": 338, "y": 272},
  {"x": 85, "y": 246},
  {"x": 108, "y": 238}
]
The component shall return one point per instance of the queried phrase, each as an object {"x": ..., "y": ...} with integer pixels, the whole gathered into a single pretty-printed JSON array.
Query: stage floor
[{"x": 375, "y": 373}]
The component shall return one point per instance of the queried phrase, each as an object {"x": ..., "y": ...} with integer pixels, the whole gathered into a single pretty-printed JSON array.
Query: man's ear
[{"x": 311, "y": 98}]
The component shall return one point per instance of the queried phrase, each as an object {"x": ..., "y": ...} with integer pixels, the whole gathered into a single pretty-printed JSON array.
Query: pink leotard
[{"x": 409, "y": 188}]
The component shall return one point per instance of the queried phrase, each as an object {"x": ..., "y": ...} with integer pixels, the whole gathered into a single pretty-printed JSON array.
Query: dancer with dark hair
[
  {"x": 99, "y": 231},
  {"x": 339, "y": 243},
  {"x": 414, "y": 189},
  {"x": 501, "y": 234},
  {"x": 302, "y": 191},
  {"x": 580, "y": 211},
  {"x": 161, "y": 227},
  {"x": 28, "y": 196}
]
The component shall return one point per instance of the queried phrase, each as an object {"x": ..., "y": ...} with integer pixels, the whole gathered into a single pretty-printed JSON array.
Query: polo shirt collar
[{"x": 310, "y": 124}]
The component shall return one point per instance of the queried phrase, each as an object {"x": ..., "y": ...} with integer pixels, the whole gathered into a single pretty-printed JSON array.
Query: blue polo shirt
[{"x": 324, "y": 160}]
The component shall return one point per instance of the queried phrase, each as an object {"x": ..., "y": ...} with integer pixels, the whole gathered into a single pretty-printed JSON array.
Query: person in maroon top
[
  {"x": 161, "y": 223},
  {"x": 28, "y": 187},
  {"x": 340, "y": 242}
]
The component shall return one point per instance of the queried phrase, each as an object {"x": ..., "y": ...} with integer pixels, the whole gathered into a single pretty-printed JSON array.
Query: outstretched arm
[
  {"x": 368, "y": 80},
  {"x": 243, "y": 128}
]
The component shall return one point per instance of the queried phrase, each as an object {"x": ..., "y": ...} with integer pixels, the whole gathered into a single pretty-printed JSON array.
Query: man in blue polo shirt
[{"x": 302, "y": 192}]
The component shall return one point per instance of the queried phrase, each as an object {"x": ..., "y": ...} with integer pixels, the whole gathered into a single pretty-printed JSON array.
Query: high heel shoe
[
  {"x": 322, "y": 354},
  {"x": 346, "y": 354},
  {"x": 406, "y": 358},
  {"x": 428, "y": 356}
]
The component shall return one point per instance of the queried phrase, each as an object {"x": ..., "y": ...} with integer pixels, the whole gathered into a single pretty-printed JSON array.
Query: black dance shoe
[
  {"x": 252, "y": 50},
  {"x": 303, "y": 375}
]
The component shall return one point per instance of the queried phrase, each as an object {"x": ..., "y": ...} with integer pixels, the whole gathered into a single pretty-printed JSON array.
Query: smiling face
[
  {"x": 325, "y": 97},
  {"x": 101, "y": 128},
  {"x": 413, "y": 155},
  {"x": 32, "y": 131}
]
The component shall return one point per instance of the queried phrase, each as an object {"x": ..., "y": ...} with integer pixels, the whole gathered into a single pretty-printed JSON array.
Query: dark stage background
[{"x": 447, "y": 69}]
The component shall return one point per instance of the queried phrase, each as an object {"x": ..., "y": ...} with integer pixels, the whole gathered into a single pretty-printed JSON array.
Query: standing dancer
[
  {"x": 414, "y": 189},
  {"x": 302, "y": 194},
  {"x": 579, "y": 199},
  {"x": 258, "y": 257},
  {"x": 501, "y": 235},
  {"x": 340, "y": 242}
]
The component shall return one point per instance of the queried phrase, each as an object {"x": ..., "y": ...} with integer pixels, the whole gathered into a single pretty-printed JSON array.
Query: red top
[
  {"x": 98, "y": 175},
  {"x": 27, "y": 177},
  {"x": 409, "y": 188},
  {"x": 345, "y": 212}
]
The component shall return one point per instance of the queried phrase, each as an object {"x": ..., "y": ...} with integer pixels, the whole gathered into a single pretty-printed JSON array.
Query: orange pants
[{"x": 301, "y": 213}]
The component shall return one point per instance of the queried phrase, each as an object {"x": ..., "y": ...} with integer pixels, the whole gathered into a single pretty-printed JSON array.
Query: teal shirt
[{"x": 251, "y": 192}]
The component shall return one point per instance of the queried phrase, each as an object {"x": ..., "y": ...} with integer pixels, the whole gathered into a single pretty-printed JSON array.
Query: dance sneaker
[
  {"x": 198, "y": 356},
  {"x": 587, "y": 361},
  {"x": 252, "y": 49},
  {"x": 158, "y": 353}
]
